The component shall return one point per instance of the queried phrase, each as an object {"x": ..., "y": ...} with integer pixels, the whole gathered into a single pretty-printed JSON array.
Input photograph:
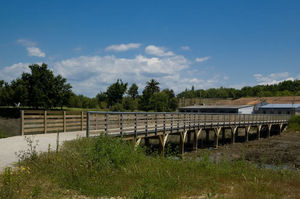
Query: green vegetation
[
  {"x": 294, "y": 123},
  {"x": 285, "y": 88},
  {"x": 107, "y": 166},
  {"x": 38, "y": 89},
  {"x": 2, "y": 135}
]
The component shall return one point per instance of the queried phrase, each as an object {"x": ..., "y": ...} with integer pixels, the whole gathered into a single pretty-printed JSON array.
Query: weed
[{"x": 31, "y": 152}]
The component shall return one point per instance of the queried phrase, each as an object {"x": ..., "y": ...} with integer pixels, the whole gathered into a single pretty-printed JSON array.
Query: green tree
[
  {"x": 152, "y": 86},
  {"x": 133, "y": 91},
  {"x": 115, "y": 92}
]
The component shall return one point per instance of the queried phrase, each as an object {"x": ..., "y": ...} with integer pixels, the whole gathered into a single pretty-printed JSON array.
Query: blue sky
[{"x": 179, "y": 43}]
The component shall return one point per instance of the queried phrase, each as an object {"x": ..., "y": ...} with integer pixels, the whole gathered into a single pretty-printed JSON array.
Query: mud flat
[{"x": 278, "y": 150}]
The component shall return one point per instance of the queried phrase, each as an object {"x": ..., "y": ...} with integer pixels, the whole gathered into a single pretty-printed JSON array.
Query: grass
[
  {"x": 294, "y": 123},
  {"x": 2, "y": 135},
  {"x": 107, "y": 166}
]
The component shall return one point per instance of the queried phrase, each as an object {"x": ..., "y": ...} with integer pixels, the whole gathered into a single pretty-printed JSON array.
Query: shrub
[{"x": 294, "y": 123}]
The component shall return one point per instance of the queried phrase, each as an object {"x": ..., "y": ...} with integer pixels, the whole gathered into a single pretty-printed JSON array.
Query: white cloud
[
  {"x": 185, "y": 48},
  {"x": 31, "y": 48},
  {"x": 273, "y": 78},
  {"x": 90, "y": 74},
  {"x": 34, "y": 51},
  {"x": 26, "y": 42},
  {"x": 158, "y": 51},
  {"x": 202, "y": 59},
  {"x": 14, "y": 71},
  {"x": 123, "y": 47}
]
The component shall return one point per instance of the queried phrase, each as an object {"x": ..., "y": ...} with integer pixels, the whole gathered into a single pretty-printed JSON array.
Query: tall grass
[
  {"x": 107, "y": 166},
  {"x": 294, "y": 123}
]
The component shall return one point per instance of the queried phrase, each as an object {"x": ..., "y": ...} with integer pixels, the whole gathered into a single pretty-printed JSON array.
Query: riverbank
[
  {"x": 107, "y": 167},
  {"x": 280, "y": 150}
]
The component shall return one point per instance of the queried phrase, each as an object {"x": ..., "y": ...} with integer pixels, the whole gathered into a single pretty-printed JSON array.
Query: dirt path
[
  {"x": 12, "y": 145},
  {"x": 281, "y": 149}
]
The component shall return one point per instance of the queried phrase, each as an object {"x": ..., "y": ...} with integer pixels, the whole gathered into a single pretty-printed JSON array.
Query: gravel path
[{"x": 12, "y": 145}]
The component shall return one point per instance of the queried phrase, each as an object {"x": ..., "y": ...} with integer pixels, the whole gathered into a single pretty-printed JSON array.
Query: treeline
[
  {"x": 41, "y": 89},
  {"x": 285, "y": 88}
]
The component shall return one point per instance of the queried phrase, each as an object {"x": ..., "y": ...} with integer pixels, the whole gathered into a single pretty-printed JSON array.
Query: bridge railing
[{"x": 135, "y": 123}]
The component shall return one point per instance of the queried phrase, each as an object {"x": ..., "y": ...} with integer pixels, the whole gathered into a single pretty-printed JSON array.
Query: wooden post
[
  {"x": 182, "y": 139},
  {"x": 258, "y": 131},
  {"x": 22, "y": 122},
  {"x": 269, "y": 130},
  {"x": 45, "y": 122},
  {"x": 82, "y": 120},
  {"x": 65, "y": 122},
  {"x": 247, "y": 130}
]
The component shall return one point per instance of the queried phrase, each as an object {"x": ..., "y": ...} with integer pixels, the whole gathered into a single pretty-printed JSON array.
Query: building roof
[
  {"x": 281, "y": 106},
  {"x": 216, "y": 107}
]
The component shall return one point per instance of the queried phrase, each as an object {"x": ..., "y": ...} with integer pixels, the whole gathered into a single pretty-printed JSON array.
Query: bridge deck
[{"x": 148, "y": 124}]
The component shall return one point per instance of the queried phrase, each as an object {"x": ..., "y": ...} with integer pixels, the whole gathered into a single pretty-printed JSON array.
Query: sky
[{"x": 179, "y": 43}]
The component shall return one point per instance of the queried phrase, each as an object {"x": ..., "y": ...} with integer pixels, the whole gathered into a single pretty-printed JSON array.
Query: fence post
[
  {"x": 135, "y": 124},
  {"x": 45, "y": 121},
  {"x": 87, "y": 124},
  {"x": 164, "y": 123},
  {"x": 121, "y": 125},
  {"x": 146, "y": 125},
  {"x": 65, "y": 122},
  {"x": 106, "y": 123},
  {"x": 82, "y": 120},
  {"x": 22, "y": 122},
  {"x": 155, "y": 118}
]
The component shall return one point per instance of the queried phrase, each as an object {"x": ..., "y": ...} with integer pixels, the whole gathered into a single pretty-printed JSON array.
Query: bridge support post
[
  {"x": 258, "y": 131},
  {"x": 233, "y": 132},
  {"x": 269, "y": 130},
  {"x": 217, "y": 132},
  {"x": 280, "y": 128},
  {"x": 182, "y": 139},
  {"x": 137, "y": 142},
  {"x": 162, "y": 142},
  {"x": 247, "y": 130},
  {"x": 196, "y": 138}
]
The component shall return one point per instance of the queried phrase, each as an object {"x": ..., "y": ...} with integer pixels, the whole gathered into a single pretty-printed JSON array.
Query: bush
[{"x": 294, "y": 123}]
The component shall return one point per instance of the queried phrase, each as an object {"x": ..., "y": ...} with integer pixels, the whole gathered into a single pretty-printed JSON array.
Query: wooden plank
[
  {"x": 34, "y": 126},
  {"x": 74, "y": 120},
  {"x": 33, "y": 130},
  {"x": 56, "y": 116},
  {"x": 55, "y": 120},
  {"x": 33, "y": 117},
  {"x": 55, "y": 124},
  {"x": 26, "y": 112},
  {"x": 73, "y": 116},
  {"x": 45, "y": 122},
  {"x": 33, "y": 122},
  {"x": 74, "y": 127},
  {"x": 82, "y": 120},
  {"x": 65, "y": 125},
  {"x": 22, "y": 122},
  {"x": 60, "y": 129},
  {"x": 74, "y": 123}
]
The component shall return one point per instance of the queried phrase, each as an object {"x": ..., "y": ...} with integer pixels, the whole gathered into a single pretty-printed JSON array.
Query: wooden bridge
[{"x": 189, "y": 127}]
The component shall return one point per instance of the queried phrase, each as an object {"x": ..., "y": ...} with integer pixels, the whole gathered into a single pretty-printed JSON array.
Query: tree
[
  {"x": 133, "y": 91},
  {"x": 115, "y": 92},
  {"x": 150, "y": 89},
  {"x": 152, "y": 86},
  {"x": 38, "y": 89}
]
